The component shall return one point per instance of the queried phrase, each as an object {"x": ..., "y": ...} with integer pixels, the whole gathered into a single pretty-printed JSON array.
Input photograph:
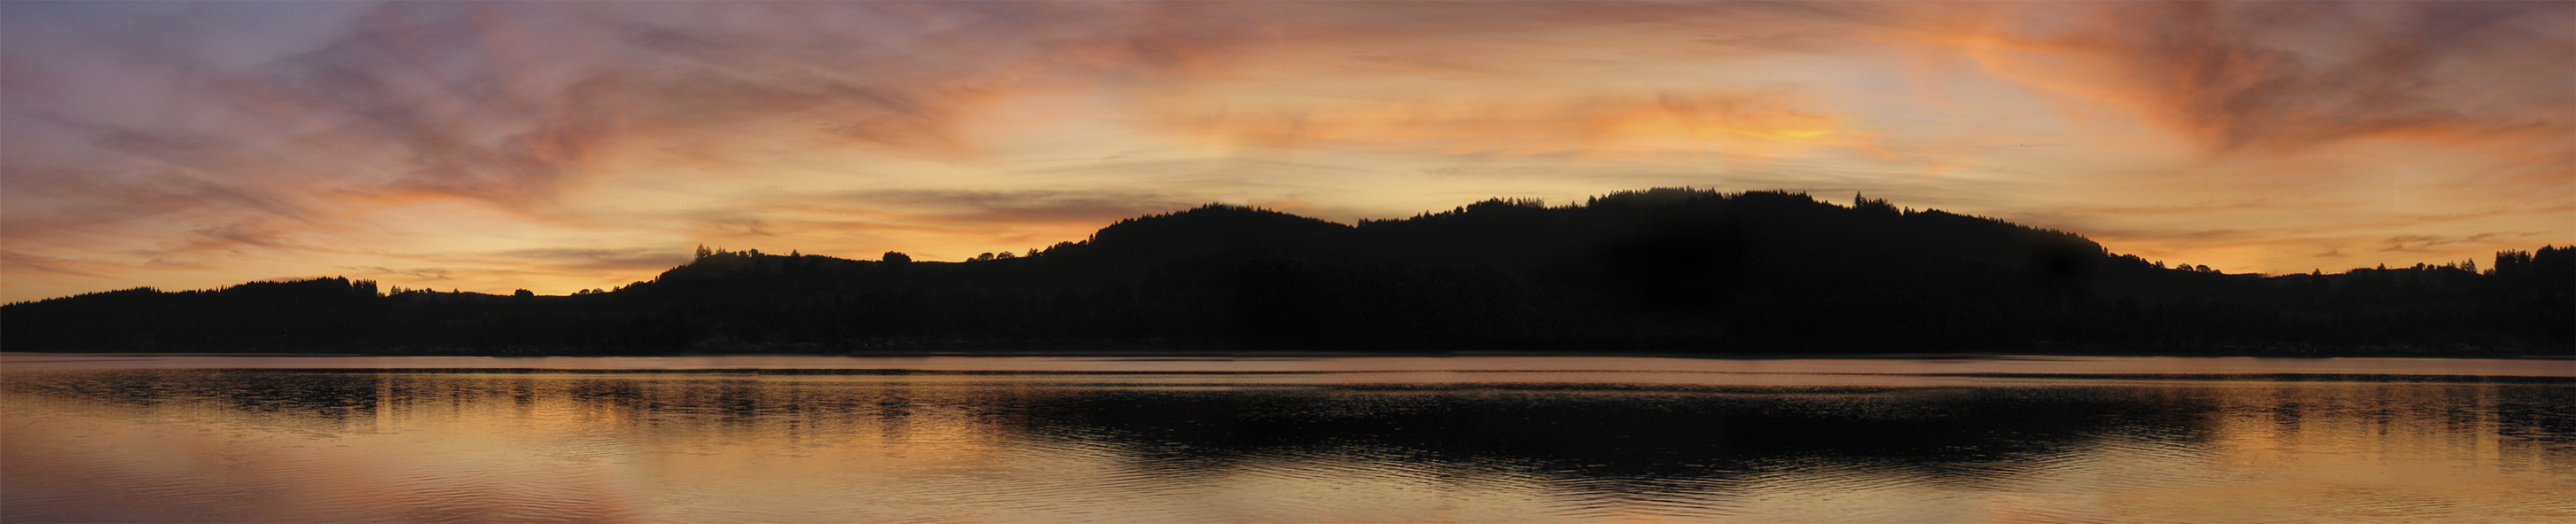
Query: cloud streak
[
  {"x": 1706, "y": 120},
  {"x": 2284, "y": 76}
]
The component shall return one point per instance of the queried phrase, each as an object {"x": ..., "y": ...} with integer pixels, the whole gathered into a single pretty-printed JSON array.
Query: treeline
[{"x": 1665, "y": 270}]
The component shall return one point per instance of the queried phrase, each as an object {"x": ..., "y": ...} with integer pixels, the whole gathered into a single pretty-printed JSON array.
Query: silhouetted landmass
[{"x": 1665, "y": 270}]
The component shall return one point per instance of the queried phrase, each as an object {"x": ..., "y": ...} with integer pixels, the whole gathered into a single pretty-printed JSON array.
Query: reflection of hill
[
  {"x": 1661, "y": 270},
  {"x": 531, "y": 445},
  {"x": 1621, "y": 434},
  {"x": 1579, "y": 429}
]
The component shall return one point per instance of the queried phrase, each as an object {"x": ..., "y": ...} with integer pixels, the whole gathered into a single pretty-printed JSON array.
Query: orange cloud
[{"x": 1702, "y": 121}]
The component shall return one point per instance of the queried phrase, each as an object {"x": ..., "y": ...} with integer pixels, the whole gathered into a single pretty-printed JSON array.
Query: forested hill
[{"x": 1665, "y": 270}]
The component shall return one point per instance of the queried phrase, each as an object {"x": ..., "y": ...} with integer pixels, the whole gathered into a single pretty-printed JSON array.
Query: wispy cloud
[
  {"x": 2285, "y": 76},
  {"x": 45, "y": 264}
]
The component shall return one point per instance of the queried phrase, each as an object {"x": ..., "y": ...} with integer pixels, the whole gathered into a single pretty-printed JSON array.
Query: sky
[{"x": 562, "y": 146}]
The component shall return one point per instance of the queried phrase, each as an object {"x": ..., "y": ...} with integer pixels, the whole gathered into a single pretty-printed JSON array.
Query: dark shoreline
[{"x": 1176, "y": 354}]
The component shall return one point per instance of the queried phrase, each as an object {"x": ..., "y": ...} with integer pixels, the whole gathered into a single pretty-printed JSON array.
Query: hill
[{"x": 1664, "y": 270}]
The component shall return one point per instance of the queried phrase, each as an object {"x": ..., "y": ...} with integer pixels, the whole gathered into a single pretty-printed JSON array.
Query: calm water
[{"x": 1478, "y": 439}]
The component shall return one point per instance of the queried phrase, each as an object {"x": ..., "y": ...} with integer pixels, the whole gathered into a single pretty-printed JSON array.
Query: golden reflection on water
[{"x": 183, "y": 445}]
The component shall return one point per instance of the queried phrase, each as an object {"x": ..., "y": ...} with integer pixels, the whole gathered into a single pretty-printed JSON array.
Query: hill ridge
[{"x": 1666, "y": 269}]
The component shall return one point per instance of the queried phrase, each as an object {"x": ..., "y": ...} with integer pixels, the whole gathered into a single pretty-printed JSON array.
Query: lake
[{"x": 1267, "y": 438}]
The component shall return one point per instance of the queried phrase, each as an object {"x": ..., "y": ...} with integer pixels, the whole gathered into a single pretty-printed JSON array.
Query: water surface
[{"x": 1235, "y": 439}]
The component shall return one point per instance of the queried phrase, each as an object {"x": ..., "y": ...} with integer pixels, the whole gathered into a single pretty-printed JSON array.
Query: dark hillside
[{"x": 1664, "y": 270}]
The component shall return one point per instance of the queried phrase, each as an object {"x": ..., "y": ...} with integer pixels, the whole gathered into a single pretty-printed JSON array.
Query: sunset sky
[{"x": 558, "y": 146}]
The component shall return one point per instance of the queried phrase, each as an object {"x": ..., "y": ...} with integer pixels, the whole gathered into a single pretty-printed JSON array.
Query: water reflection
[{"x": 1417, "y": 444}]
